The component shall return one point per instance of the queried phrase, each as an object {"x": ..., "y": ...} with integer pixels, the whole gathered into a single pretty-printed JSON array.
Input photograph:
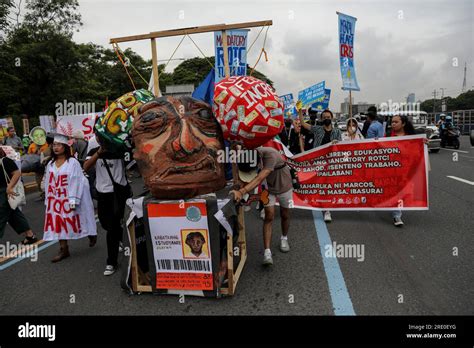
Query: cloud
[{"x": 309, "y": 53}]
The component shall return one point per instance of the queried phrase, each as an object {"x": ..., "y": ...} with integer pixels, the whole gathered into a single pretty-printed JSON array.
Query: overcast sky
[{"x": 400, "y": 46}]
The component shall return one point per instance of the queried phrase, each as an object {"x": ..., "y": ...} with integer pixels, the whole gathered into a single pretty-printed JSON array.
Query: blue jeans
[{"x": 397, "y": 214}]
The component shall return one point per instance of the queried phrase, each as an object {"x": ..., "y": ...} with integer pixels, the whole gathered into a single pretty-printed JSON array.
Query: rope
[
  {"x": 124, "y": 65},
  {"x": 146, "y": 82},
  {"x": 174, "y": 51},
  {"x": 261, "y": 52},
  {"x": 255, "y": 39},
  {"x": 212, "y": 66}
]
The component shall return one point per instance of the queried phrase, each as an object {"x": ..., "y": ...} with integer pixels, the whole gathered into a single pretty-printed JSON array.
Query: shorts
[
  {"x": 15, "y": 218},
  {"x": 285, "y": 199}
]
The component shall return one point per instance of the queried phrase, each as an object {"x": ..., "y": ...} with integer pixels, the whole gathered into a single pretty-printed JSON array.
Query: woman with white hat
[{"x": 69, "y": 207}]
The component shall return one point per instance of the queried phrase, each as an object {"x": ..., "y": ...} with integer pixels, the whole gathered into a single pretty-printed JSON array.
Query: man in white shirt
[{"x": 109, "y": 217}]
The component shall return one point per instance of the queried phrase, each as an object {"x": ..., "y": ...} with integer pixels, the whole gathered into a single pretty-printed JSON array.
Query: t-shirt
[
  {"x": 103, "y": 184},
  {"x": 10, "y": 167},
  {"x": 14, "y": 142},
  {"x": 327, "y": 137},
  {"x": 375, "y": 130},
  {"x": 279, "y": 180}
]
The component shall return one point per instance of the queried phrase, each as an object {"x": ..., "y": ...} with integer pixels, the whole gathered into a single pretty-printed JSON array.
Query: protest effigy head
[
  {"x": 38, "y": 136},
  {"x": 177, "y": 142},
  {"x": 115, "y": 125},
  {"x": 248, "y": 110}
]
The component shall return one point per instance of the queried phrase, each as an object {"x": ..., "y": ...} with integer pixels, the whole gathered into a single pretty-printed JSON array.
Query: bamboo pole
[{"x": 154, "y": 57}]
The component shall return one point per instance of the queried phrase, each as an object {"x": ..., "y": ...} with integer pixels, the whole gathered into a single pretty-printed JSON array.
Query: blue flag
[
  {"x": 205, "y": 91},
  {"x": 346, "y": 52}
]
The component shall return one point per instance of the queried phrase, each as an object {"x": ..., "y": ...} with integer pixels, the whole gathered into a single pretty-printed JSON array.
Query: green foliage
[
  {"x": 40, "y": 64},
  {"x": 194, "y": 71},
  {"x": 464, "y": 101}
]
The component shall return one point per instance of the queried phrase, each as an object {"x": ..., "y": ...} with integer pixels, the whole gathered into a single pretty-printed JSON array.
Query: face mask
[
  {"x": 353, "y": 129},
  {"x": 327, "y": 122}
]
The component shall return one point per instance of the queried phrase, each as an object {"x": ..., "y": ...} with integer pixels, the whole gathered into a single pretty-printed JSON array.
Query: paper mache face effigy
[{"x": 177, "y": 142}]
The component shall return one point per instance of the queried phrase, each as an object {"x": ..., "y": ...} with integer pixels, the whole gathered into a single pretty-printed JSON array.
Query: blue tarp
[{"x": 205, "y": 91}]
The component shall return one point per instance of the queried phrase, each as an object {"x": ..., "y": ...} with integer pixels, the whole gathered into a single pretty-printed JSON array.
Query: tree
[
  {"x": 194, "y": 71},
  {"x": 58, "y": 16},
  {"x": 5, "y": 8},
  {"x": 464, "y": 101}
]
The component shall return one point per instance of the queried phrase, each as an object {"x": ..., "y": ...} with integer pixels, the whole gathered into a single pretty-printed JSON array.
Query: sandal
[{"x": 29, "y": 240}]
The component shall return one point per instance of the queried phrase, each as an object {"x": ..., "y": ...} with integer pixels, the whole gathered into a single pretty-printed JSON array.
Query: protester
[
  {"x": 285, "y": 131},
  {"x": 352, "y": 131},
  {"x": 295, "y": 138},
  {"x": 79, "y": 147},
  {"x": 13, "y": 140},
  {"x": 323, "y": 134},
  {"x": 365, "y": 127},
  {"x": 309, "y": 136},
  {"x": 110, "y": 174},
  {"x": 9, "y": 172},
  {"x": 401, "y": 126},
  {"x": 69, "y": 207},
  {"x": 278, "y": 177},
  {"x": 39, "y": 137},
  {"x": 375, "y": 128}
]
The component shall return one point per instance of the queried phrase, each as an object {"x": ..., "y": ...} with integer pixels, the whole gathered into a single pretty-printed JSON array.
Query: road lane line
[
  {"x": 461, "y": 180},
  {"x": 44, "y": 246},
  {"x": 454, "y": 150},
  {"x": 22, "y": 249},
  {"x": 18, "y": 259},
  {"x": 341, "y": 301}
]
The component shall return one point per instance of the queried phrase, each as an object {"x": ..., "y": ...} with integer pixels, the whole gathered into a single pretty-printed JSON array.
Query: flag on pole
[{"x": 346, "y": 51}]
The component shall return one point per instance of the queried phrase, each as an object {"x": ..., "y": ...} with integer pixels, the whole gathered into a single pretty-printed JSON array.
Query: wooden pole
[
  {"x": 225, "y": 47},
  {"x": 350, "y": 103},
  {"x": 154, "y": 57},
  {"x": 192, "y": 30}
]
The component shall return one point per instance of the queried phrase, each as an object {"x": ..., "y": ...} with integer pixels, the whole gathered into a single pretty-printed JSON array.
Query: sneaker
[
  {"x": 327, "y": 216},
  {"x": 398, "y": 222},
  {"x": 109, "y": 270},
  {"x": 267, "y": 258},
  {"x": 284, "y": 246},
  {"x": 120, "y": 247}
]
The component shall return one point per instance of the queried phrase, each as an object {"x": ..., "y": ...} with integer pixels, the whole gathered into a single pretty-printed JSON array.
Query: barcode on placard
[{"x": 183, "y": 265}]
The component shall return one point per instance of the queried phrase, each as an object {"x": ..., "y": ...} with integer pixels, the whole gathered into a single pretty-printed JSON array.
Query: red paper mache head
[
  {"x": 248, "y": 110},
  {"x": 177, "y": 142}
]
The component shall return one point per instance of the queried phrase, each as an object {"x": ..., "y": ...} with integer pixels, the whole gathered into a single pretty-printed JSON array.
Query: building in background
[
  {"x": 345, "y": 106},
  {"x": 179, "y": 90},
  {"x": 357, "y": 108},
  {"x": 411, "y": 98}
]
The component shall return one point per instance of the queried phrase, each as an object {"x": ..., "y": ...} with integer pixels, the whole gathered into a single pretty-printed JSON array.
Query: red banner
[{"x": 384, "y": 174}]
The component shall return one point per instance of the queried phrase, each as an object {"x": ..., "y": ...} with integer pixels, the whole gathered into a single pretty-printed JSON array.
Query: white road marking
[
  {"x": 455, "y": 150},
  {"x": 461, "y": 180}
]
